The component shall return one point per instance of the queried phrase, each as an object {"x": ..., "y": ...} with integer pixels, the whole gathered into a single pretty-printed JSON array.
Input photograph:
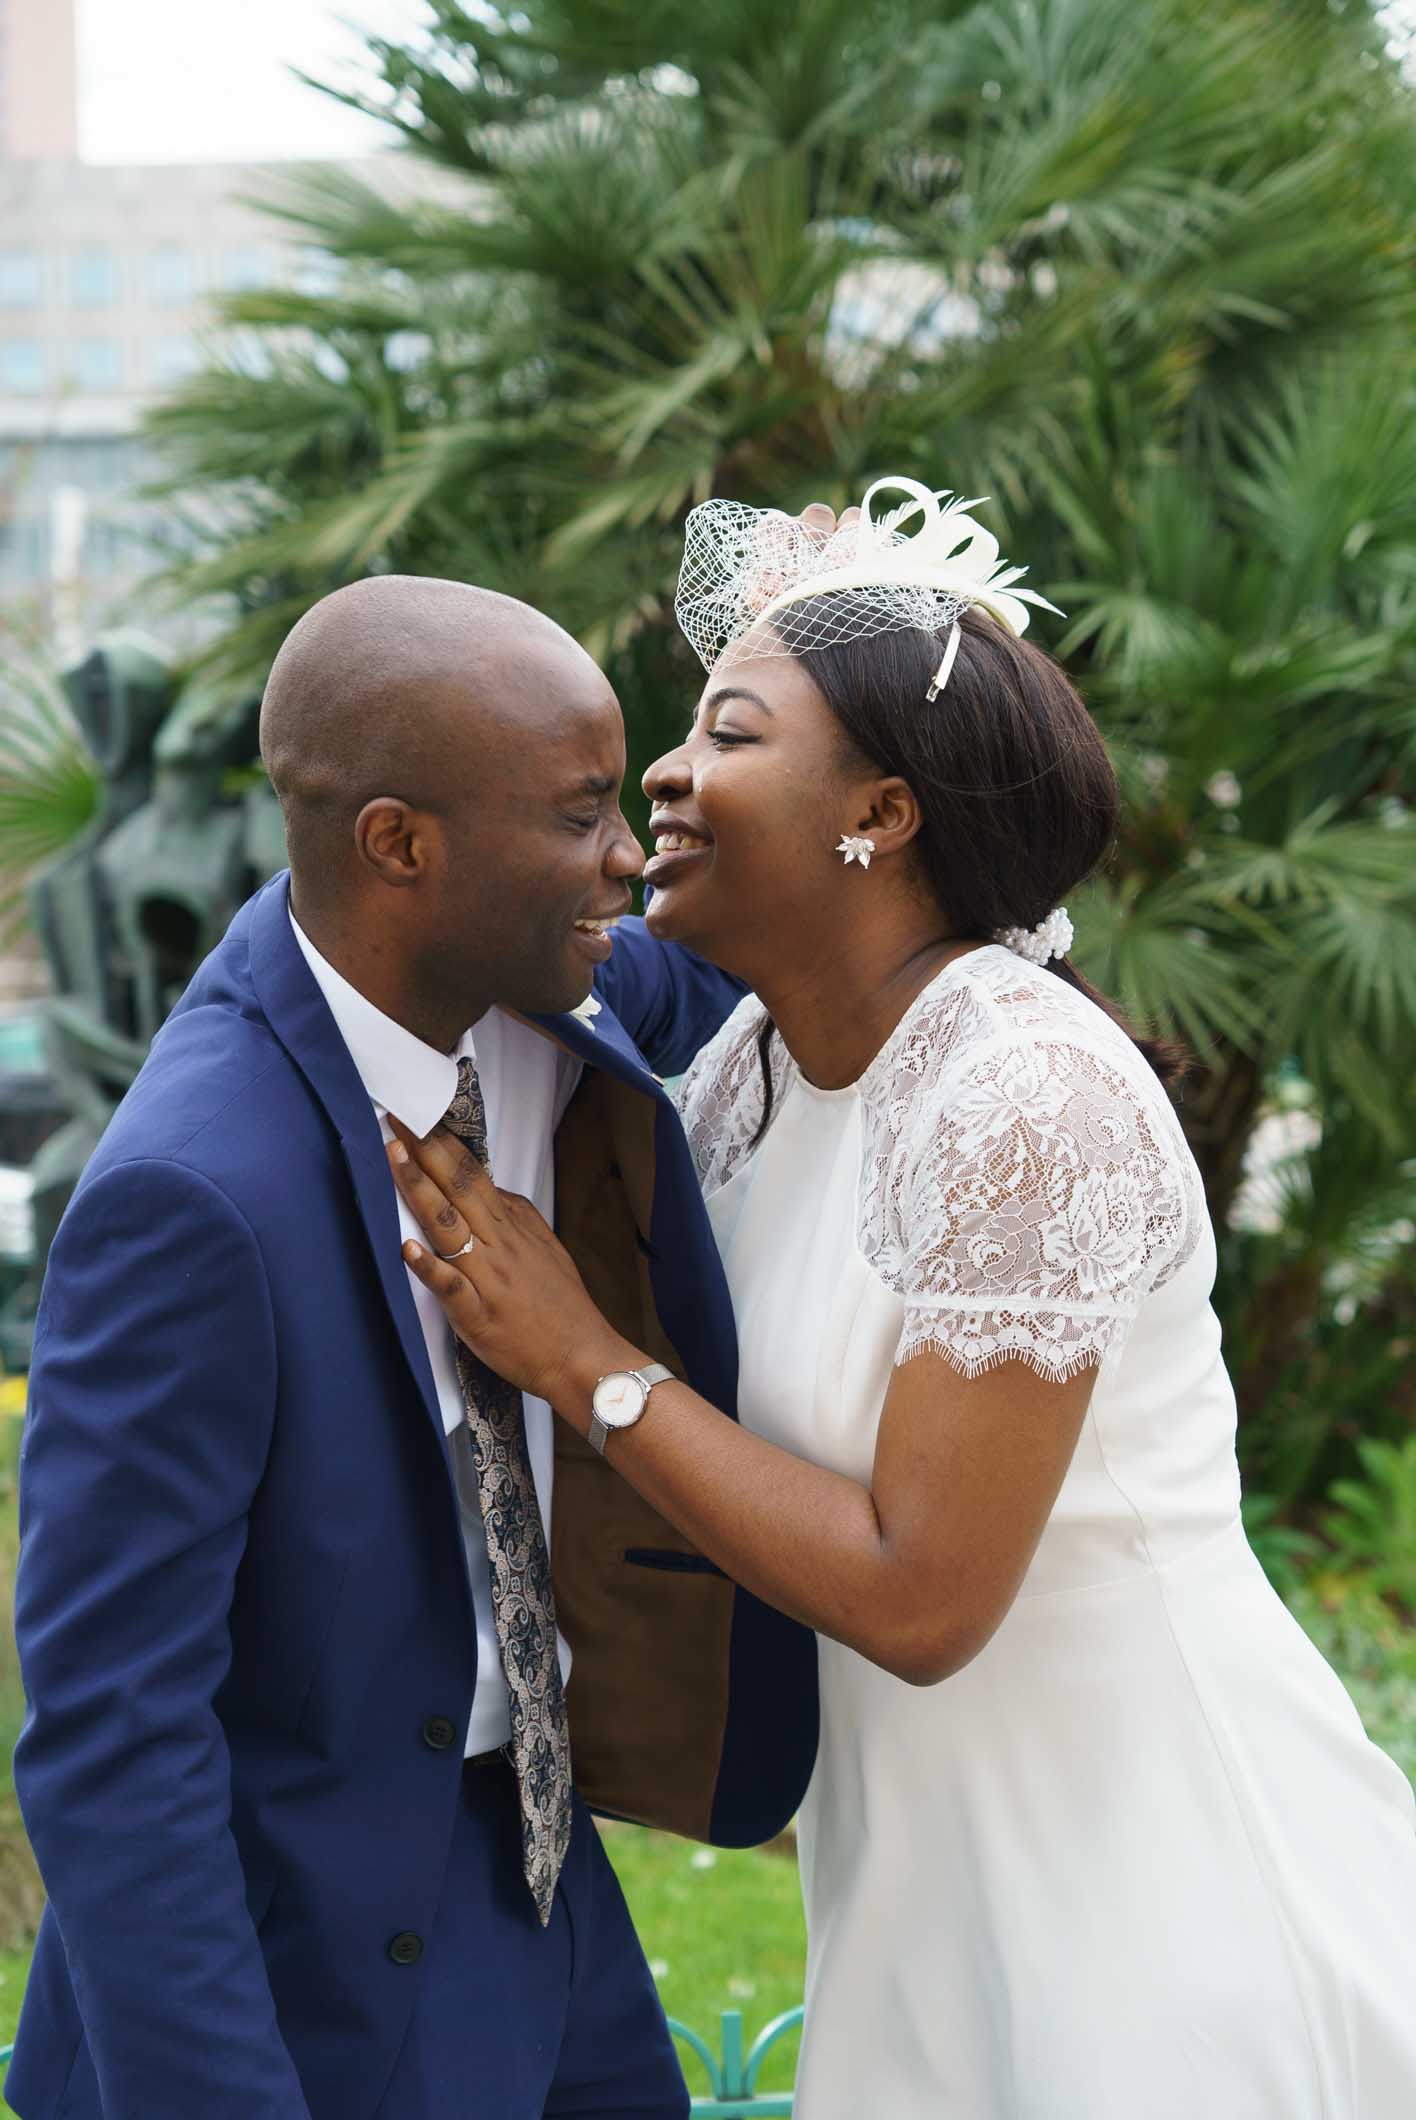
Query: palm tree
[{"x": 1141, "y": 270}]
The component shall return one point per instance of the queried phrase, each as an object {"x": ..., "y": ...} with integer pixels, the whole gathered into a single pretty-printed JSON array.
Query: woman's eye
[{"x": 726, "y": 739}]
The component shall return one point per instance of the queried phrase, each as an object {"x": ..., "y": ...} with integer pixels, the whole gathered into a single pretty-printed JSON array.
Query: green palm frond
[
  {"x": 1164, "y": 956},
  {"x": 49, "y": 785}
]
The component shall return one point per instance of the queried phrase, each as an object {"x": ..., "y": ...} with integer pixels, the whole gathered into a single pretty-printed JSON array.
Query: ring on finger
[{"x": 459, "y": 1252}]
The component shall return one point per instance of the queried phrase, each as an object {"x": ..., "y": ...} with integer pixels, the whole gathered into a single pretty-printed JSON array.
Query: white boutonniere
[{"x": 588, "y": 1010}]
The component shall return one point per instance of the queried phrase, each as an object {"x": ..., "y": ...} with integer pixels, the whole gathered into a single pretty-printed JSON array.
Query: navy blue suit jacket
[{"x": 242, "y": 1605}]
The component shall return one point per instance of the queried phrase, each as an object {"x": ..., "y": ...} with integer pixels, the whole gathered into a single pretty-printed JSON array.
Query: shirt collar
[{"x": 406, "y": 1077}]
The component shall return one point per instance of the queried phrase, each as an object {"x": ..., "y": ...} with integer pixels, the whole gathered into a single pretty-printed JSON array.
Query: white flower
[{"x": 587, "y": 1011}]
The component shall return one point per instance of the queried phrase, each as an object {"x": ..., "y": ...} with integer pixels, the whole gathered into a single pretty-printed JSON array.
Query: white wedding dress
[{"x": 1137, "y": 1861}]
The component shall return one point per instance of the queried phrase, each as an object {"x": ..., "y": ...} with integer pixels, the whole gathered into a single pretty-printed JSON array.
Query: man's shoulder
[{"x": 218, "y": 1095}]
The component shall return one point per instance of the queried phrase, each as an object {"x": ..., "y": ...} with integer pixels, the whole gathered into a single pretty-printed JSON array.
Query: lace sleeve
[
  {"x": 1038, "y": 1202},
  {"x": 720, "y": 1099}
]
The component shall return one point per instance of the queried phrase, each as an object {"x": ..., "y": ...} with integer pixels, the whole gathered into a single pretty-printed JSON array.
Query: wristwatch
[{"x": 621, "y": 1397}]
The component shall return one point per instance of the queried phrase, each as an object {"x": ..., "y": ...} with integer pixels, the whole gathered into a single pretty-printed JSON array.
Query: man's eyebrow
[{"x": 596, "y": 784}]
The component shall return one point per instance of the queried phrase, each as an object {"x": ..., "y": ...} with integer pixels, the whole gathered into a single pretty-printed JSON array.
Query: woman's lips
[{"x": 674, "y": 852}]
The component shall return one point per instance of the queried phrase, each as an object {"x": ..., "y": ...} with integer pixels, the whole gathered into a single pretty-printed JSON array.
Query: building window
[
  {"x": 173, "y": 276},
  {"x": 21, "y": 364},
  {"x": 19, "y": 279},
  {"x": 93, "y": 280},
  {"x": 173, "y": 359},
  {"x": 249, "y": 265},
  {"x": 94, "y": 364},
  {"x": 24, "y": 550}
]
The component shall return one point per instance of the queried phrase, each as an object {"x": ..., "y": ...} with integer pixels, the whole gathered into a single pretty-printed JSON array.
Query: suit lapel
[
  {"x": 603, "y": 1042},
  {"x": 300, "y": 1018}
]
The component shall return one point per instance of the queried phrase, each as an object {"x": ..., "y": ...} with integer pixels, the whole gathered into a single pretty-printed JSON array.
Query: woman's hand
[
  {"x": 515, "y": 1298},
  {"x": 821, "y": 520}
]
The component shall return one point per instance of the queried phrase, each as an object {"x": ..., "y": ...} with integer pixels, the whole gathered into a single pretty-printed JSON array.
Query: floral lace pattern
[
  {"x": 720, "y": 1098},
  {"x": 1024, "y": 1182}
]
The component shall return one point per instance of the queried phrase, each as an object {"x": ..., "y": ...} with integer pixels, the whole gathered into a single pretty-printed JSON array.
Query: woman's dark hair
[{"x": 1019, "y": 797}]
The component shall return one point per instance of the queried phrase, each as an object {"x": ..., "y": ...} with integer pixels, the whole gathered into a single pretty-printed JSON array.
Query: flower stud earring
[{"x": 856, "y": 850}]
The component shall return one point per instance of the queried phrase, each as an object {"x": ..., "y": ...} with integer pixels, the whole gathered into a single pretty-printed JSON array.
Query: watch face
[{"x": 619, "y": 1399}]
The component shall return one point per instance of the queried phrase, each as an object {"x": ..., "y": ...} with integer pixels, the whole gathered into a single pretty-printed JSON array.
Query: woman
[{"x": 1094, "y": 1832}]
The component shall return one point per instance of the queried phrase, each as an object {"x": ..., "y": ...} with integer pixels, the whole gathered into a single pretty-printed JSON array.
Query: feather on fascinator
[{"x": 748, "y": 571}]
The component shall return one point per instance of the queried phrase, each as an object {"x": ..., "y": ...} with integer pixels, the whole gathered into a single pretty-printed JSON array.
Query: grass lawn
[
  {"x": 722, "y": 1930},
  {"x": 14, "y": 1970}
]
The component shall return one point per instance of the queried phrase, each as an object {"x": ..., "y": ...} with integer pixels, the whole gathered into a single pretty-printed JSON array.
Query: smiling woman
[{"x": 985, "y": 1435}]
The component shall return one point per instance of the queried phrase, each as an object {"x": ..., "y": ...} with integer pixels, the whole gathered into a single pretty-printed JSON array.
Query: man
[{"x": 296, "y": 1766}]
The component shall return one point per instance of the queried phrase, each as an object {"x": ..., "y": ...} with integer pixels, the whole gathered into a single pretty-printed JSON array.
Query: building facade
[
  {"x": 108, "y": 279},
  {"x": 107, "y": 282}
]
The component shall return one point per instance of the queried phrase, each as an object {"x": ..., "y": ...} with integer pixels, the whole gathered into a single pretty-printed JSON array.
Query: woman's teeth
[
  {"x": 599, "y": 927},
  {"x": 677, "y": 842}
]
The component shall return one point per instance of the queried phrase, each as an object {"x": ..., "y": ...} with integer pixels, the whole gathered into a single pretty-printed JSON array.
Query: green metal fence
[{"x": 732, "y": 2073}]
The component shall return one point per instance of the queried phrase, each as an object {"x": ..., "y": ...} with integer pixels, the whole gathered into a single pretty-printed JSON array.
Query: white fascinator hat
[{"x": 922, "y": 562}]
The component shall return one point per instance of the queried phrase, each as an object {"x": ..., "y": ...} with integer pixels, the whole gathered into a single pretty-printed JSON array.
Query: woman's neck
[{"x": 835, "y": 1012}]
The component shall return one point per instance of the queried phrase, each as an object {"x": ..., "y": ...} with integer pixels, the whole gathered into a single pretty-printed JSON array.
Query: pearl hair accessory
[
  {"x": 856, "y": 850},
  {"x": 1050, "y": 938}
]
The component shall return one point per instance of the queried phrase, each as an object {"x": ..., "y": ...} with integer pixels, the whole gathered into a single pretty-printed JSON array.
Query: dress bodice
[
  {"x": 1007, "y": 1179},
  {"x": 1023, "y": 1183}
]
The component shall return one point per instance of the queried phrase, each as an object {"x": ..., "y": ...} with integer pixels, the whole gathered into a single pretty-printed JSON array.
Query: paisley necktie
[{"x": 522, "y": 1599}]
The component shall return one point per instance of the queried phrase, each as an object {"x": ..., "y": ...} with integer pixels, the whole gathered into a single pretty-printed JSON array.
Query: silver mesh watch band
[{"x": 655, "y": 1373}]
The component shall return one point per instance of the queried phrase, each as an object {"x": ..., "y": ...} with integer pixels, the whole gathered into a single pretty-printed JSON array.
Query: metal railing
[{"x": 732, "y": 2073}]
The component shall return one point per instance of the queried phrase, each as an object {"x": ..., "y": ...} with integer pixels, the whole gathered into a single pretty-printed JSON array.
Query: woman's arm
[{"x": 914, "y": 1571}]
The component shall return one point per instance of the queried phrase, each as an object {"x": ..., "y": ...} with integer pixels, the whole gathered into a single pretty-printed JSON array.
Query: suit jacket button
[
  {"x": 438, "y": 1732},
  {"x": 406, "y": 1949}
]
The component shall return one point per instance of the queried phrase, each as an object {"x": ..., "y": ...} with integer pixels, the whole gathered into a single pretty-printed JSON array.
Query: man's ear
[{"x": 400, "y": 844}]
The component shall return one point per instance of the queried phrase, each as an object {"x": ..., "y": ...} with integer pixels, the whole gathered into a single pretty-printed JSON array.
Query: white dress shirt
[{"x": 527, "y": 1082}]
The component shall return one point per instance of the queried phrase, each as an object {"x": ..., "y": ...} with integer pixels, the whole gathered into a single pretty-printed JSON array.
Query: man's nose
[{"x": 626, "y": 855}]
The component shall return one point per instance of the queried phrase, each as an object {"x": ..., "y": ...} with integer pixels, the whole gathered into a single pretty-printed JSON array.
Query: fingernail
[
  {"x": 412, "y": 1252},
  {"x": 398, "y": 1152}
]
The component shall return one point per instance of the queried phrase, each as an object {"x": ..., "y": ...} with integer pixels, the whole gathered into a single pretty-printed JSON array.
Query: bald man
[{"x": 315, "y": 1728}]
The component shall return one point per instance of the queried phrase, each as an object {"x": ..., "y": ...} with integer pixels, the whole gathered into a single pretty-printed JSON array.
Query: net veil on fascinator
[{"x": 749, "y": 572}]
